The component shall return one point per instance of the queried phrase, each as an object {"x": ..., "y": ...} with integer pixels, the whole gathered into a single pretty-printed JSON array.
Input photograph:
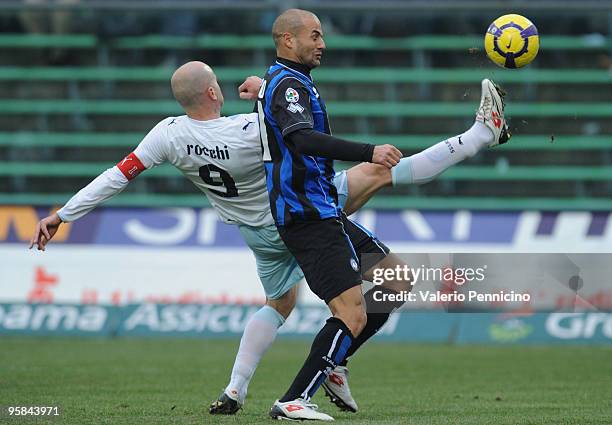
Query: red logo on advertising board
[{"x": 41, "y": 293}]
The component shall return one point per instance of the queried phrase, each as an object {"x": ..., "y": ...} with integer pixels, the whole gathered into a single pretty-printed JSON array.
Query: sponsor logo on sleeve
[
  {"x": 295, "y": 107},
  {"x": 291, "y": 95}
]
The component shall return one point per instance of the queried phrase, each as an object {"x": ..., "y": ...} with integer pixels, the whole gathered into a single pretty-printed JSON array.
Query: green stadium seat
[
  {"x": 577, "y": 176},
  {"x": 324, "y": 75},
  {"x": 462, "y": 172},
  {"x": 86, "y": 140},
  {"x": 263, "y": 41},
  {"x": 345, "y": 42},
  {"x": 338, "y": 109},
  {"x": 68, "y": 41},
  {"x": 379, "y": 202}
]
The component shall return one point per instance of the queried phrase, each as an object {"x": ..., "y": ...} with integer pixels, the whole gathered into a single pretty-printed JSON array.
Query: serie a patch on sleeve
[
  {"x": 293, "y": 97},
  {"x": 131, "y": 166}
]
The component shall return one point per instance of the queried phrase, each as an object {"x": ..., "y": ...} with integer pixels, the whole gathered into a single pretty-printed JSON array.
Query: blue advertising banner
[
  {"x": 58, "y": 320},
  {"x": 189, "y": 227},
  {"x": 536, "y": 328},
  {"x": 305, "y": 321},
  {"x": 225, "y": 320}
]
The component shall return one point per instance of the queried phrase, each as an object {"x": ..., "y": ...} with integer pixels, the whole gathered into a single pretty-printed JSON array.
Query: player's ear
[
  {"x": 212, "y": 94},
  {"x": 288, "y": 40}
]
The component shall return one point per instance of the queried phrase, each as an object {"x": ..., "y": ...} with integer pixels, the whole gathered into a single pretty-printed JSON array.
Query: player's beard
[
  {"x": 314, "y": 60},
  {"x": 308, "y": 57}
]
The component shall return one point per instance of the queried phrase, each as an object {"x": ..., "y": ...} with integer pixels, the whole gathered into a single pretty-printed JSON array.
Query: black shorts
[
  {"x": 329, "y": 252},
  {"x": 369, "y": 249}
]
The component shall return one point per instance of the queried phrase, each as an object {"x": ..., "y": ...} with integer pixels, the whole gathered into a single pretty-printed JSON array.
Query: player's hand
[
  {"x": 45, "y": 230},
  {"x": 250, "y": 88},
  {"x": 387, "y": 155}
]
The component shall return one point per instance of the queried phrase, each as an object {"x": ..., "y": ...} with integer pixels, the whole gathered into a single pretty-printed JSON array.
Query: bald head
[
  {"x": 298, "y": 36},
  {"x": 290, "y": 21},
  {"x": 194, "y": 86}
]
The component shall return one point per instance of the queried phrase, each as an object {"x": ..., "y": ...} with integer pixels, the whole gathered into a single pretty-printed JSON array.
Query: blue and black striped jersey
[{"x": 300, "y": 186}]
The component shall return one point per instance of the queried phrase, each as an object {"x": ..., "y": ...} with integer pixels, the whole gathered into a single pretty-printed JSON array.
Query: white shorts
[
  {"x": 341, "y": 183},
  {"x": 277, "y": 268}
]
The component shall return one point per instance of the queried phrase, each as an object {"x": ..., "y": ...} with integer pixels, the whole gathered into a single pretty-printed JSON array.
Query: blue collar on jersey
[{"x": 295, "y": 67}]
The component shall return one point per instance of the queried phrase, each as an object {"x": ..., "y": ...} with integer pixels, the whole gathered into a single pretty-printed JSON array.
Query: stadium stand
[{"x": 63, "y": 125}]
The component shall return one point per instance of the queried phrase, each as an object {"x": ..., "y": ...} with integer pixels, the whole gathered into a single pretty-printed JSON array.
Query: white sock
[
  {"x": 425, "y": 166},
  {"x": 259, "y": 334}
]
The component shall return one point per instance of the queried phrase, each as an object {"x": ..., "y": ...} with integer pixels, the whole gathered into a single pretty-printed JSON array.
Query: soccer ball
[{"x": 512, "y": 41}]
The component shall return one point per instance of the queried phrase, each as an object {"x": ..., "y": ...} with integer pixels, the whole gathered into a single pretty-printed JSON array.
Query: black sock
[
  {"x": 327, "y": 351},
  {"x": 378, "y": 313},
  {"x": 375, "y": 322}
]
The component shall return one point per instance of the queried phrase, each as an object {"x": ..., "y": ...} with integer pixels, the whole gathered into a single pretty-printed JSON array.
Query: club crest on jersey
[
  {"x": 295, "y": 107},
  {"x": 291, "y": 95}
]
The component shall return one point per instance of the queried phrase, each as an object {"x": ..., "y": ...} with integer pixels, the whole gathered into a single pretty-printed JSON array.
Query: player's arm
[
  {"x": 249, "y": 89},
  {"x": 290, "y": 107},
  {"x": 149, "y": 153},
  {"x": 311, "y": 142},
  {"x": 105, "y": 186}
]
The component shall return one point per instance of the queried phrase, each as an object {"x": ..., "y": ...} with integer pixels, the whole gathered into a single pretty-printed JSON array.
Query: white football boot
[
  {"x": 491, "y": 112},
  {"x": 297, "y": 410},
  {"x": 337, "y": 389}
]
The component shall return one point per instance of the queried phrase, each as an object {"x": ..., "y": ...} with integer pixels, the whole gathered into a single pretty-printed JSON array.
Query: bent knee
[
  {"x": 377, "y": 175},
  {"x": 361, "y": 322},
  {"x": 356, "y": 321},
  {"x": 285, "y": 304}
]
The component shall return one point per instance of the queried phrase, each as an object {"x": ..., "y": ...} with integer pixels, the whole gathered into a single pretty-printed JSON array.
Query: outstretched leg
[
  {"x": 489, "y": 129},
  {"x": 361, "y": 182}
]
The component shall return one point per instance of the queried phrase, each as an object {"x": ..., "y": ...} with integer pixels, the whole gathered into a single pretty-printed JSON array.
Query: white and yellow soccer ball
[{"x": 512, "y": 41}]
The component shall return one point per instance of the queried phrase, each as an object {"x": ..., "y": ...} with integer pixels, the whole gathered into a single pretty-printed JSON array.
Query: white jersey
[{"x": 221, "y": 157}]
